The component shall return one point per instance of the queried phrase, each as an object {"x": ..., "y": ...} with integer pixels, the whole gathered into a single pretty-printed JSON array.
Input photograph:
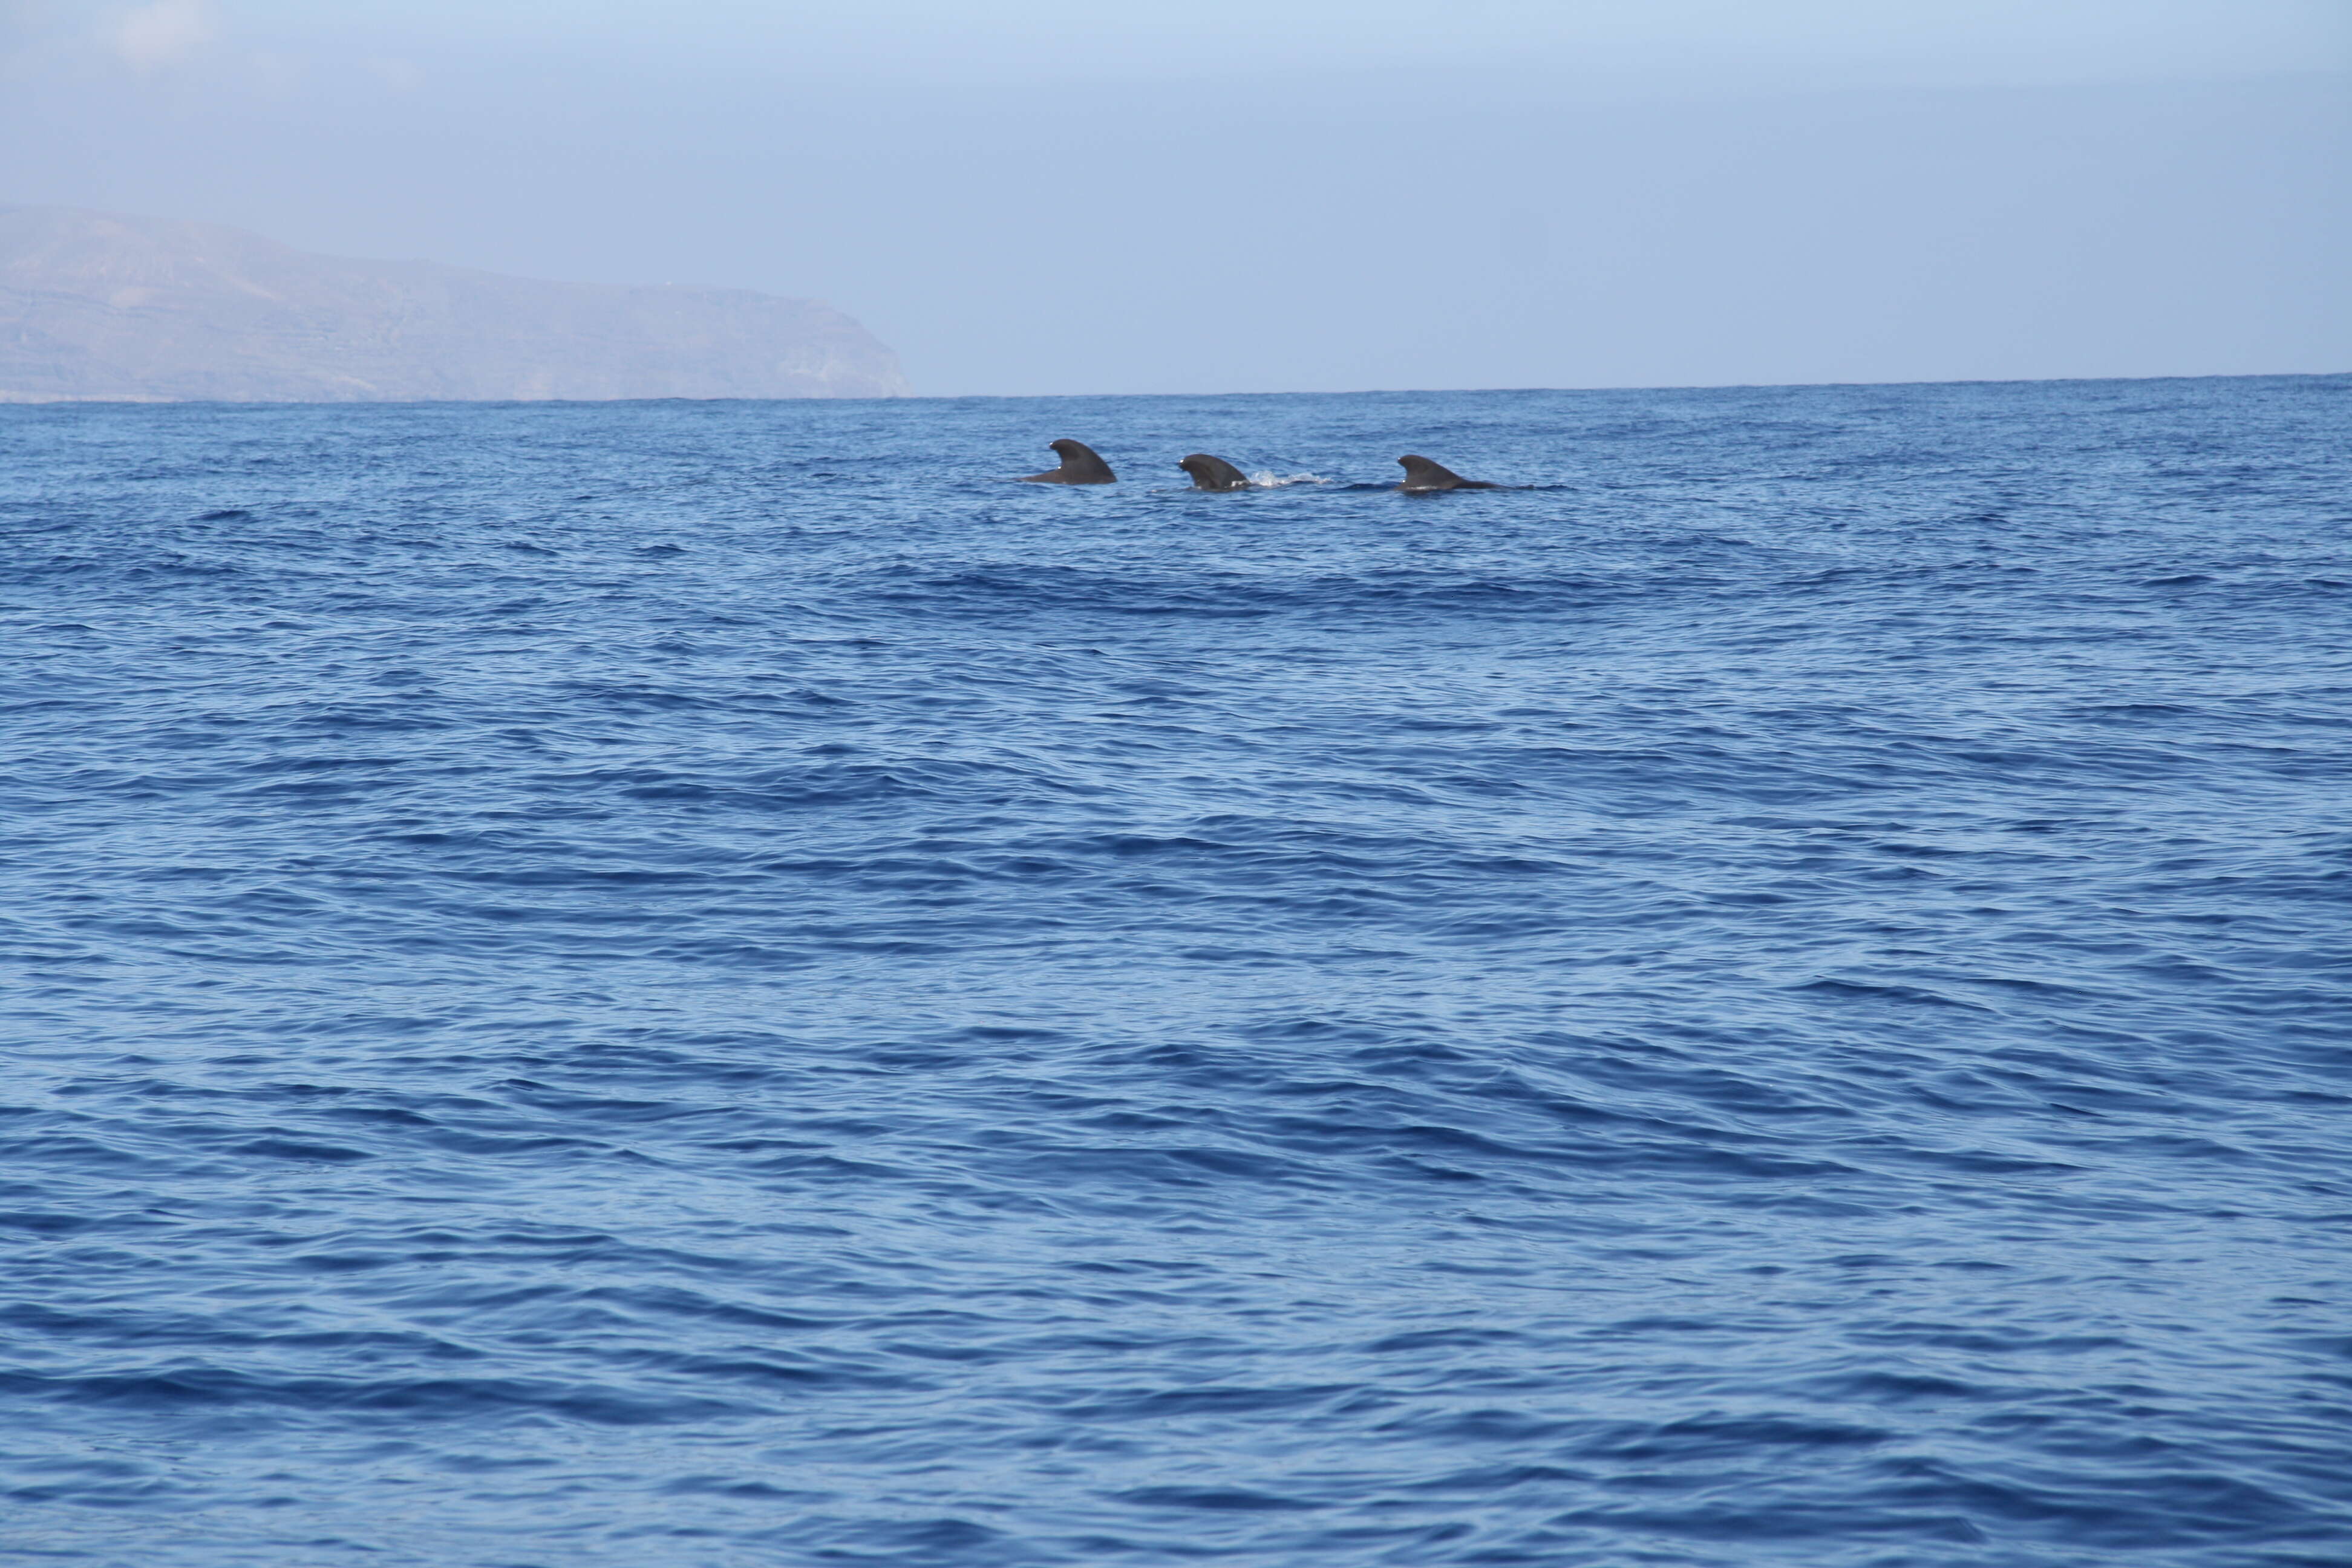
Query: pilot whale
[
  {"x": 1213, "y": 473},
  {"x": 1420, "y": 474},
  {"x": 1080, "y": 466}
]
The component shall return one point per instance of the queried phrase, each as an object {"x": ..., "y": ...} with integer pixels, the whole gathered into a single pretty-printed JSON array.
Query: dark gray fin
[
  {"x": 1080, "y": 466},
  {"x": 1420, "y": 474},
  {"x": 1213, "y": 473}
]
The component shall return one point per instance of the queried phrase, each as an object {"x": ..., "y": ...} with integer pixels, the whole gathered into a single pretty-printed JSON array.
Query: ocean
[{"x": 696, "y": 985}]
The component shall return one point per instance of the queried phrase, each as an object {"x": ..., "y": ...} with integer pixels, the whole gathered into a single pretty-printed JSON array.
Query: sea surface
[{"x": 696, "y": 985}]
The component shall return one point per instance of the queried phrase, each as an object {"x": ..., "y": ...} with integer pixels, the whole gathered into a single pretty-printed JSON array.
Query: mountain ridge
[{"x": 102, "y": 307}]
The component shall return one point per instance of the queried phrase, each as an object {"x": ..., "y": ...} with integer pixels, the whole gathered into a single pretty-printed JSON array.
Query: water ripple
[{"x": 702, "y": 983}]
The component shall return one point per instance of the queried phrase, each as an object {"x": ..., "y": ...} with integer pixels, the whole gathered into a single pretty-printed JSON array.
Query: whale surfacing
[
  {"x": 1080, "y": 466},
  {"x": 1420, "y": 474},
  {"x": 1213, "y": 473}
]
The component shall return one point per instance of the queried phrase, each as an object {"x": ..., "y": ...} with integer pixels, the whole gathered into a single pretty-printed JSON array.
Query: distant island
[{"x": 95, "y": 307}]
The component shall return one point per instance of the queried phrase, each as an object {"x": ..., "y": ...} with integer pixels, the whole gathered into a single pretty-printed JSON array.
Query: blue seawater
[{"x": 711, "y": 984}]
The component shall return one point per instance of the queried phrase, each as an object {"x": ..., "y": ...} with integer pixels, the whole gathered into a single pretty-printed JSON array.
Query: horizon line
[{"x": 11, "y": 400}]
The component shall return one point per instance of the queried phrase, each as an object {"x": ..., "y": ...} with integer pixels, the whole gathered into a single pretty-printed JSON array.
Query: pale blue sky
[
  {"x": 1735, "y": 41},
  {"x": 1057, "y": 196}
]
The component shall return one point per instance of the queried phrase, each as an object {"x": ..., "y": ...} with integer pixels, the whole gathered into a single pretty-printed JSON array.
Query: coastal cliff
[{"x": 95, "y": 307}]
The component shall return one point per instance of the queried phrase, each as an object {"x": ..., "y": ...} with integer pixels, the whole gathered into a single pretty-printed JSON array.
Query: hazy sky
[{"x": 1051, "y": 195}]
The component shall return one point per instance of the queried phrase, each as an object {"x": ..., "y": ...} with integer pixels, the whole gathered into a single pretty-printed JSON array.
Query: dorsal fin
[
  {"x": 1081, "y": 465},
  {"x": 1213, "y": 473},
  {"x": 1420, "y": 474}
]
